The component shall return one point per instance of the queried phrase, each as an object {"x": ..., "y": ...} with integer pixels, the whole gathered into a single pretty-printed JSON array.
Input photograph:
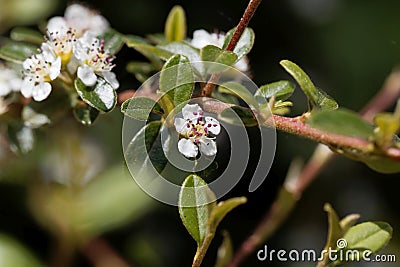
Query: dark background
[{"x": 347, "y": 47}]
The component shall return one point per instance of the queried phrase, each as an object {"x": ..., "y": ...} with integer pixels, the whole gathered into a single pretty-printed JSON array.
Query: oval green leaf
[
  {"x": 85, "y": 114},
  {"x": 24, "y": 34},
  {"x": 317, "y": 97},
  {"x": 17, "y": 51},
  {"x": 182, "y": 48},
  {"x": 240, "y": 91},
  {"x": 177, "y": 80},
  {"x": 102, "y": 96},
  {"x": 113, "y": 41},
  {"x": 239, "y": 116},
  {"x": 245, "y": 43},
  {"x": 282, "y": 90},
  {"x": 13, "y": 254},
  {"x": 139, "y": 108},
  {"x": 215, "y": 54},
  {"x": 196, "y": 202},
  {"x": 341, "y": 121},
  {"x": 175, "y": 25},
  {"x": 222, "y": 209},
  {"x": 371, "y": 236}
]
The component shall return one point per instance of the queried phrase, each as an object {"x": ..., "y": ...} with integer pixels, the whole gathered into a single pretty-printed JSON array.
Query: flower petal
[
  {"x": 213, "y": 125},
  {"x": 201, "y": 38},
  {"x": 208, "y": 147},
  {"x": 41, "y": 91},
  {"x": 180, "y": 125},
  {"x": 55, "y": 68},
  {"x": 27, "y": 87},
  {"x": 56, "y": 23},
  {"x": 192, "y": 112},
  {"x": 111, "y": 78},
  {"x": 188, "y": 148},
  {"x": 87, "y": 75}
]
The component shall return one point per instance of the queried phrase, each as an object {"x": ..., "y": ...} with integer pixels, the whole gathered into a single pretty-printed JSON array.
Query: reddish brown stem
[{"x": 101, "y": 254}]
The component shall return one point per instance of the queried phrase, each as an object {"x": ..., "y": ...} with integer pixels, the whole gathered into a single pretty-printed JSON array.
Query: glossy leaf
[
  {"x": 317, "y": 97},
  {"x": 139, "y": 108},
  {"x": 28, "y": 35},
  {"x": 196, "y": 202},
  {"x": 282, "y": 90},
  {"x": 341, "y": 121},
  {"x": 245, "y": 43},
  {"x": 239, "y": 116},
  {"x": 156, "y": 38},
  {"x": 100, "y": 96},
  {"x": 13, "y": 254},
  {"x": 85, "y": 114},
  {"x": 222, "y": 209},
  {"x": 17, "y": 51},
  {"x": 113, "y": 41},
  {"x": 215, "y": 54},
  {"x": 369, "y": 235},
  {"x": 225, "y": 251},
  {"x": 153, "y": 53},
  {"x": 240, "y": 91},
  {"x": 175, "y": 26},
  {"x": 177, "y": 80},
  {"x": 145, "y": 151}
]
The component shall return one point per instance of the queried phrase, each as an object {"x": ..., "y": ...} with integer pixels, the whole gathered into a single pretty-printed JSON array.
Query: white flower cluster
[
  {"x": 202, "y": 38},
  {"x": 196, "y": 130},
  {"x": 71, "y": 44}
]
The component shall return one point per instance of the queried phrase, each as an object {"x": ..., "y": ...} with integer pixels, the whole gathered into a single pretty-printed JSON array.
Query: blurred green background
[{"x": 347, "y": 47}]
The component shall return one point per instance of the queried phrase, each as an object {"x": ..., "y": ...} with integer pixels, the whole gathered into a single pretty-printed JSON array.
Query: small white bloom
[
  {"x": 196, "y": 130},
  {"x": 60, "y": 42},
  {"x": 39, "y": 71},
  {"x": 9, "y": 81},
  {"x": 81, "y": 19},
  {"x": 94, "y": 60},
  {"x": 202, "y": 38}
]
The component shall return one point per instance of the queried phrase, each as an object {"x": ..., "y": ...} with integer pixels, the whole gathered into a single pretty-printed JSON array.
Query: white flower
[
  {"x": 202, "y": 38},
  {"x": 60, "y": 42},
  {"x": 9, "y": 81},
  {"x": 94, "y": 60},
  {"x": 81, "y": 19},
  {"x": 38, "y": 71},
  {"x": 196, "y": 129}
]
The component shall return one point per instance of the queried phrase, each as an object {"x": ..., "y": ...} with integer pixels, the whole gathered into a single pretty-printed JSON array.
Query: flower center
[
  {"x": 39, "y": 70},
  {"x": 62, "y": 44},
  {"x": 197, "y": 129},
  {"x": 98, "y": 58}
]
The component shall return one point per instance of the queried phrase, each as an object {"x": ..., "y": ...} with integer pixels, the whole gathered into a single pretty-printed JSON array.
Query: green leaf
[
  {"x": 245, "y": 43},
  {"x": 156, "y": 38},
  {"x": 113, "y": 41},
  {"x": 317, "y": 97},
  {"x": 13, "y": 254},
  {"x": 240, "y": 91},
  {"x": 85, "y": 114},
  {"x": 102, "y": 96},
  {"x": 225, "y": 251},
  {"x": 341, "y": 121},
  {"x": 239, "y": 116},
  {"x": 221, "y": 210},
  {"x": 153, "y": 53},
  {"x": 177, "y": 80},
  {"x": 371, "y": 236},
  {"x": 28, "y": 35},
  {"x": 196, "y": 202},
  {"x": 17, "y": 51},
  {"x": 282, "y": 90},
  {"x": 145, "y": 151},
  {"x": 215, "y": 54},
  {"x": 175, "y": 26},
  {"x": 182, "y": 48},
  {"x": 139, "y": 108},
  {"x": 382, "y": 164}
]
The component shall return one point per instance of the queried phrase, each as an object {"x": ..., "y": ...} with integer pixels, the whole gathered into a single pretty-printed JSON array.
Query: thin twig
[
  {"x": 243, "y": 23},
  {"x": 321, "y": 157}
]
